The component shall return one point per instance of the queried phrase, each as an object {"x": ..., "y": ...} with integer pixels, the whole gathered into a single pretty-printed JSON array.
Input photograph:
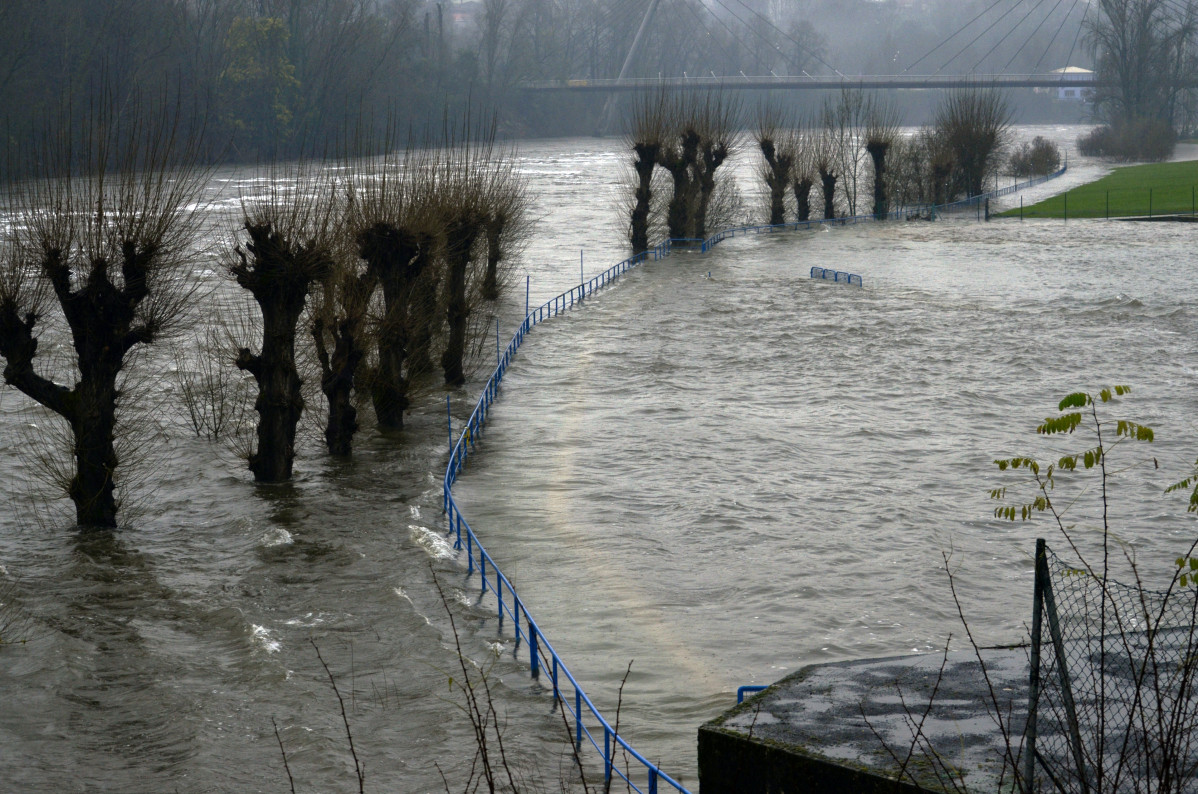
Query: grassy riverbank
[{"x": 1134, "y": 190}]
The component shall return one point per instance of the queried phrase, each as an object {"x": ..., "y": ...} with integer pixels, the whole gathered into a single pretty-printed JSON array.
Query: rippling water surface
[{"x": 716, "y": 479}]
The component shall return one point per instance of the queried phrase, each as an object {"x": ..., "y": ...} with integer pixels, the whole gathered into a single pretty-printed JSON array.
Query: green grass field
[{"x": 1153, "y": 189}]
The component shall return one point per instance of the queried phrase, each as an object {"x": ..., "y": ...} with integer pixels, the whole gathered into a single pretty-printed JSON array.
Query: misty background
[{"x": 278, "y": 78}]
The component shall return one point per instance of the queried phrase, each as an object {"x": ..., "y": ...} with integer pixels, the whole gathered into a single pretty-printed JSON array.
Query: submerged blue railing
[
  {"x": 839, "y": 276},
  {"x": 588, "y": 722}
]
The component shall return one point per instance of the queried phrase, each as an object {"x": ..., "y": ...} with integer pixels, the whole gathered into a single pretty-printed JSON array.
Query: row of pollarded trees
[
  {"x": 382, "y": 271},
  {"x": 688, "y": 137},
  {"x": 396, "y": 259},
  {"x": 852, "y": 149},
  {"x": 800, "y": 157},
  {"x": 857, "y": 139}
]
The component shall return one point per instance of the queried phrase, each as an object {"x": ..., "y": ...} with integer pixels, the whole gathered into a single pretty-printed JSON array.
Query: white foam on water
[
  {"x": 432, "y": 542},
  {"x": 262, "y": 637},
  {"x": 276, "y": 536}
]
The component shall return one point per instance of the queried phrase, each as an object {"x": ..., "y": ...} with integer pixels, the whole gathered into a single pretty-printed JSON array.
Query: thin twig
[
  {"x": 286, "y": 766},
  {"x": 344, "y": 719}
]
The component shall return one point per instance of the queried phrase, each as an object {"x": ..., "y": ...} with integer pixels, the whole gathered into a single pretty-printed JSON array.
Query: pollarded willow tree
[
  {"x": 101, "y": 236},
  {"x": 806, "y": 144},
  {"x": 394, "y": 237},
  {"x": 775, "y": 137},
  {"x": 285, "y": 246},
  {"x": 477, "y": 180},
  {"x": 882, "y": 122},
  {"x": 971, "y": 127},
  {"x": 645, "y": 136},
  {"x": 690, "y": 138}
]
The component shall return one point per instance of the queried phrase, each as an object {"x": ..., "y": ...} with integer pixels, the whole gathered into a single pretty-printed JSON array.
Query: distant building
[{"x": 1075, "y": 93}]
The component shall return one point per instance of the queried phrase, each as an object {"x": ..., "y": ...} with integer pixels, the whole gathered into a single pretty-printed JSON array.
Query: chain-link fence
[{"x": 1112, "y": 702}]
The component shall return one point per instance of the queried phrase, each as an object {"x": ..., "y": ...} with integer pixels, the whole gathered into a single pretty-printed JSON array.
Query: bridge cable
[
  {"x": 796, "y": 42},
  {"x": 1053, "y": 40},
  {"x": 988, "y": 28},
  {"x": 1031, "y": 35},
  {"x": 1080, "y": 27},
  {"x": 952, "y": 36},
  {"x": 1014, "y": 27},
  {"x": 731, "y": 58},
  {"x": 773, "y": 44}
]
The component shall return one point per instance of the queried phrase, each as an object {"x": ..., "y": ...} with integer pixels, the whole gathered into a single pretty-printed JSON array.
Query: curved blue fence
[{"x": 588, "y": 721}]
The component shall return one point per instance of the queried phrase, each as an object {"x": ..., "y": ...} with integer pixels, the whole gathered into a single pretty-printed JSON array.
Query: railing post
[
  {"x": 533, "y": 661},
  {"x": 499, "y": 595},
  {"x": 606, "y": 754},
  {"x": 652, "y": 780},
  {"x": 577, "y": 718},
  {"x": 482, "y": 569},
  {"x": 458, "y": 543},
  {"x": 556, "y": 694},
  {"x": 469, "y": 555}
]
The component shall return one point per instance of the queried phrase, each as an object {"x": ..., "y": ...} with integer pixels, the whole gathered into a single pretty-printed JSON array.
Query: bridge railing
[{"x": 588, "y": 721}]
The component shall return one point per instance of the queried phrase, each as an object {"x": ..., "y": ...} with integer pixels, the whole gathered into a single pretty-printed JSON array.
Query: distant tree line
[
  {"x": 1146, "y": 56},
  {"x": 850, "y": 158},
  {"x": 280, "y": 78}
]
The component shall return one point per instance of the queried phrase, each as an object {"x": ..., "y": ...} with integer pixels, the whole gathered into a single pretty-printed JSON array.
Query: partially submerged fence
[
  {"x": 1112, "y": 703},
  {"x": 852, "y": 279},
  {"x": 588, "y": 721}
]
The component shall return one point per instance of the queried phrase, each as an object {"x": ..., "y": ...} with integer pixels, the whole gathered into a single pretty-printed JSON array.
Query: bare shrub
[
  {"x": 213, "y": 392},
  {"x": 971, "y": 126},
  {"x": 1039, "y": 157},
  {"x": 1130, "y": 140}
]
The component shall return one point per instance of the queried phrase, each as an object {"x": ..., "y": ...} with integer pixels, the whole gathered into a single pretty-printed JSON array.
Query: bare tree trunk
[
  {"x": 397, "y": 257},
  {"x": 646, "y": 160},
  {"x": 828, "y": 181},
  {"x": 279, "y": 277},
  {"x": 347, "y": 298},
  {"x": 802, "y": 188},
  {"x": 777, "y": 178},
  {"x": 104, "y": 327},
  {"x": 494, "y": 228},
  {"x": 460, "y": 233},
  {"x": 713, "y": 156},
  {"x": 423, "y": 317},
  {"x": 680, "y": 162},
  {"x": 877, "y": 152}
]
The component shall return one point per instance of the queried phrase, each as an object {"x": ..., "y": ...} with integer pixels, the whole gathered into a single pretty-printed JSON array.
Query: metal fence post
[
  {"x": 607, "y": 755},
  {"x": 532, "y": 647},
  {"x": 577, "y": 718},
  {"x": 1058, "y": 644},
  {"x": 1033, "y": 700}
]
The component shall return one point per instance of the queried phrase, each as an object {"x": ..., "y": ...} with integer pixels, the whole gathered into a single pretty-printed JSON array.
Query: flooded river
[{"x": 718, "y": 470}]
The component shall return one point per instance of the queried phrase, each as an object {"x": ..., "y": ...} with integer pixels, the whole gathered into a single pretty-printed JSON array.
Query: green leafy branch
[{"x": 1077, "y": 410}]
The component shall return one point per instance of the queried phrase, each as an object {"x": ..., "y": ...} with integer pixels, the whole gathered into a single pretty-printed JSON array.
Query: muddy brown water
[{"x": 717, "y": 479}]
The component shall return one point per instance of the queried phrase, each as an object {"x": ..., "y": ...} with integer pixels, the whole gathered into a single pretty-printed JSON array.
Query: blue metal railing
[
  {"x": 588, "y": 721},
  {"x": 748, "y": 690},
  {"x": 836, "y": 275}
]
